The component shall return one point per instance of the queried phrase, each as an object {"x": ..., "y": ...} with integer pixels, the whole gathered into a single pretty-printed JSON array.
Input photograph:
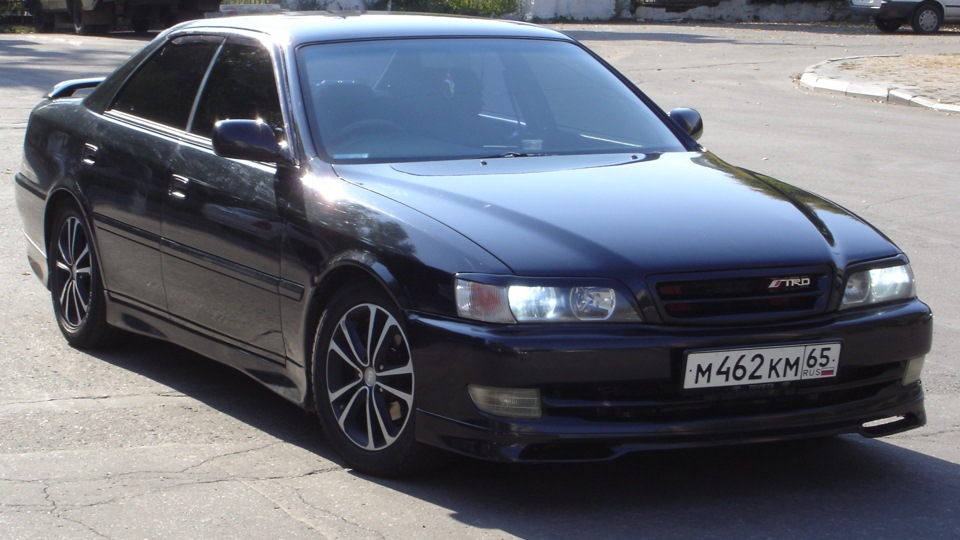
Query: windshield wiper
[{"x": 515, "y": 155}]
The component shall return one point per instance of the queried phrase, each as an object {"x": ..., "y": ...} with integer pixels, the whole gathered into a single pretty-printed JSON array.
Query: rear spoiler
[{"x": 68, "y": 88}]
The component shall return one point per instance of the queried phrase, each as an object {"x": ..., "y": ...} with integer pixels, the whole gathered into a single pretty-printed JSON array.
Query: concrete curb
[{"x": 823, "y": 77}]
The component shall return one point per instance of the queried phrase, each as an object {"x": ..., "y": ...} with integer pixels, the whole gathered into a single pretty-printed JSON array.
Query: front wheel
[
  {"x": 76, "y": 288},
  {"x": 888, "y": 26},
  {"x": 364, "y": 384},
  {"x": 927, "y": 19}
]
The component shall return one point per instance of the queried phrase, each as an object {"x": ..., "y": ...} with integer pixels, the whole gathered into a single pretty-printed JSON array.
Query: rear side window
[
  {"x": 164, "y": 88},
  {"x": 241, "y": 86}
]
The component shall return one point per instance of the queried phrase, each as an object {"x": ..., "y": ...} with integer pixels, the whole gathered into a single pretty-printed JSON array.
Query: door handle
[
  {"x": 89, "y": 155},
  {"x": 178, "y": 187}
]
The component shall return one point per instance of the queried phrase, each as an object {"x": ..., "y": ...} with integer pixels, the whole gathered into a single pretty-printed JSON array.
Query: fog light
[
  {"x": 912, "y": 373},
  {"x": 509, "y": 402},
  {"x": 883, "y": 422}
]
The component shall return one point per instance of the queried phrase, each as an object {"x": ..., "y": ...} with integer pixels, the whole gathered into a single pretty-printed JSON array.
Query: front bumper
[{"x": 613, "y": 390}]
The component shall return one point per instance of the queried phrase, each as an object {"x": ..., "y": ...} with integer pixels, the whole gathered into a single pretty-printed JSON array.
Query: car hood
[{"x": 624, "y": 215}]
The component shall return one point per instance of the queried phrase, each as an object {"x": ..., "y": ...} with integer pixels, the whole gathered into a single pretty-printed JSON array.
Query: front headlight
[
  {"x": 541, "y": 303},
  {"x": 878, "y": 285}
]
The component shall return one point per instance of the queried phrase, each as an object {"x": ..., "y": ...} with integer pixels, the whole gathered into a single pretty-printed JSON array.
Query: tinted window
[
  {"x": 241, "y": 86},
  {"x": 164, "y": 88},
  {"x": 425, "y": 99}
]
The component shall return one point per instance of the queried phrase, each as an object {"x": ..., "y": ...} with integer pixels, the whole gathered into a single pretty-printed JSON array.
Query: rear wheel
[
  {"x": 888, "y": 26},
  {"x": 75, "y": 283},
  {"x": 364, "y": 384},
  {"x": 80, "y": 24},
  {"x": 927, "y": 19},
  {"x": 140, "y": 26},
  {"x": 42, "y": 22}
]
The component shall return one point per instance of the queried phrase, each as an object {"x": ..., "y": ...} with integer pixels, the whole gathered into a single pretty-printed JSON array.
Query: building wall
[
  {"x": 661, "y": 10},
  {"x": 570, "y": 9},
  {"x": 678, "y": 10}
]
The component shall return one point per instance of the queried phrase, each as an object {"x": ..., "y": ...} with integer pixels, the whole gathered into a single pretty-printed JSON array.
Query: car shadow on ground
[
  {"x": 218, "y": 386},
  {"x": 843, "y": 487}
]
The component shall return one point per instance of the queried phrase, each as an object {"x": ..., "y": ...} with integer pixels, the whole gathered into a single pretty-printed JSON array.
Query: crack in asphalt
[
  {"x": 104, "y": 397},
  {"x": 183, "y": 477},
  {"x": 928, "y": 433},
  {"x": 59, "y": 513},
  {"x": 894, "y": 200},
  {"x": 71, "y": 398},
  {"x": 228, "y": 454},
  {"x": 718, "y": 65},
  {"x": 289, "y": 511}
]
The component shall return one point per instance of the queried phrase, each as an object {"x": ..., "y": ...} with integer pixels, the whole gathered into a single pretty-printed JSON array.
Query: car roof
[{"x": 310, "y": 27}]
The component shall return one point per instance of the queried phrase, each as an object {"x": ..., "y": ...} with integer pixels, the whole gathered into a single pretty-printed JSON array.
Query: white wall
[
  {"x": 332, "y": 5},
  {"x": 741, "y": 10},
  {"x": 570, "y": 9},
  {"x": 727, "y": 10},
  {"x": 581, "y": 10}
]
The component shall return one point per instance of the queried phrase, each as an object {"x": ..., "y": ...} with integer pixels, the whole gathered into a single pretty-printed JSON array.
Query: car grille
[
  {"x": 757, "y": 297},
  {"x": 662, "y": 403}
]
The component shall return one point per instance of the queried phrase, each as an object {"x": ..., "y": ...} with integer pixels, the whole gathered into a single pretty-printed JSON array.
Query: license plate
[{"x": 761, "y": 365}]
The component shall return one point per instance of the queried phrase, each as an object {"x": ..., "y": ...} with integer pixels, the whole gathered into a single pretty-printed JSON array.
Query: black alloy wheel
[
  {"x": 76, "y": 287},
  {"x": 364, "y": 384}
]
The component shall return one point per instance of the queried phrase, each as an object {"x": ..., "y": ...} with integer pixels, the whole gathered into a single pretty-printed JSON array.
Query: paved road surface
[{"x": 149, "y": 441}]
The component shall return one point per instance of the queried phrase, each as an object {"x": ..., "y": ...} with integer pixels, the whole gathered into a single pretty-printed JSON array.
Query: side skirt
[{"x": 279, "y": 374}]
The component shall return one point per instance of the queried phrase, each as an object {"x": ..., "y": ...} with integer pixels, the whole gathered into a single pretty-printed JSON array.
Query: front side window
[
  {"x": 164, "y": 88},
  {"x": 241, "y": 86},
  {"x": 436, "y": 99}
]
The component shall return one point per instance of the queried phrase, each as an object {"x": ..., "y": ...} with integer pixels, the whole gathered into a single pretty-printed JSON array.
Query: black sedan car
[{"x": 470, "y": 235}]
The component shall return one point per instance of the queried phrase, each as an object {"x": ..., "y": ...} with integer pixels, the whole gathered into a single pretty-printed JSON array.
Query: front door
[{"x": 221, "y": 225}]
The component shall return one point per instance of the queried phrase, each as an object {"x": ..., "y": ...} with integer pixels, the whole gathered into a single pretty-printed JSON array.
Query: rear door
[{"x": 126, "y": 166}]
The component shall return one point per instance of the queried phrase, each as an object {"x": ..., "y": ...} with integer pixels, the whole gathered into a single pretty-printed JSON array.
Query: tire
[
  {"x": 364, "y": 384},
  {"x": 888, "y": 26},
  {"x": 927, "y": 19},
  {"x": 140, "y": 26},
  {"x": 42, "y": 22},
  {"x": 83, "y": 28},
  {"x": 76, "y": 288}
]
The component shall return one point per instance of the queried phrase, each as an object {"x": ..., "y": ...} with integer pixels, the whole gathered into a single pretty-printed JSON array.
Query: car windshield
[{"x": 441, "y": 99}]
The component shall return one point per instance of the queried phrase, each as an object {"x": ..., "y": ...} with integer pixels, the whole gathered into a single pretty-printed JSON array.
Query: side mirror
[
  {"x": 252, "y": 140},
  {"x": 689, "y": 121}
]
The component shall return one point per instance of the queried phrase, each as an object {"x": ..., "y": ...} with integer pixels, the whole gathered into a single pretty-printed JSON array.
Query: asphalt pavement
[
  {"x": 151, "y": 441},
  {"x": 919, "y": 80}
]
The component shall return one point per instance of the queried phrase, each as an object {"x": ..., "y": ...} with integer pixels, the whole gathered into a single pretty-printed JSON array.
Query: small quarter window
[{"x": 241, "y": 86}]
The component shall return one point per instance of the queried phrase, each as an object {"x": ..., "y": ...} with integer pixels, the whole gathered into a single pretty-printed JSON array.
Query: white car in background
[{"x": 925, "y": 16}]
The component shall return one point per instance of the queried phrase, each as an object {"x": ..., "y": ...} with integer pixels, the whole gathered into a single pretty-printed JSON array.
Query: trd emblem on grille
[{"x": 789, "y": 283}]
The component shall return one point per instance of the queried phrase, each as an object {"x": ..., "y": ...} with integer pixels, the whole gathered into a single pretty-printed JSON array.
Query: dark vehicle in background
[
  {"x": 462, "y": 234},
  {"x": 97, "y": 16}
]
